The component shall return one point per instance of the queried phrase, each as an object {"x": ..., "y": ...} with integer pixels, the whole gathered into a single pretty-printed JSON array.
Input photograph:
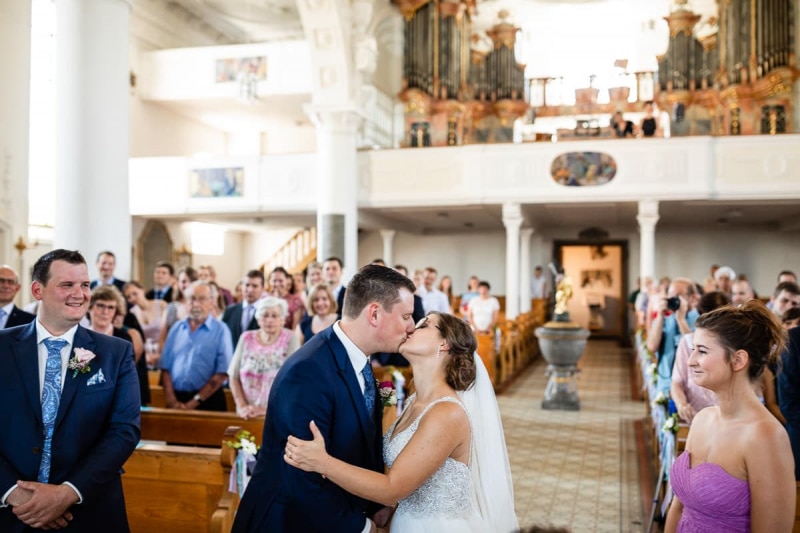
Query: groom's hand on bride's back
[{"x": 382, "y": 518}]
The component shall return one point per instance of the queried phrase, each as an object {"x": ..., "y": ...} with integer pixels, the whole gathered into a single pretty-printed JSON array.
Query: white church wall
[{"x": 157, "y": 132}]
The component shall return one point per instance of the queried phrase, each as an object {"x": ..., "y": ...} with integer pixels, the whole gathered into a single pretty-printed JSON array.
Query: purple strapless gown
[{"x": 713, "y": 500}]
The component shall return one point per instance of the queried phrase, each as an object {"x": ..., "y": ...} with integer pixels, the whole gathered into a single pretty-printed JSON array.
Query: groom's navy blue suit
[
  {"x": 96, "y": 429},
  {"x": 317, "y": 383}
]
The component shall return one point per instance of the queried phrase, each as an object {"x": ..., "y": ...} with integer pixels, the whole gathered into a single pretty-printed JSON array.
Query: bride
[{"x": 446, "y": 455}]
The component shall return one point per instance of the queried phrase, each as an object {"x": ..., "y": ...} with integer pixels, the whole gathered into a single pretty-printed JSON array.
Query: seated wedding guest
[
  {"x": 472, "y": 292},
  {"x": 649, "y": 127},
  {"x": 322, "y": 313},
  {"x": 237, "y": 292},
  {"x": 622, "y": 128},
  {"x": 209, "y": 273},
  {"x": 176, "y": 310},
  {"x": 242, "y": 316},
  {"x": 196, "y": 355},
  {"x": 107, "y": 306},
  {"x": 446, "y": 287},
  {"x": 670, "y": 323},
  {"x": 219, "y": 302},
  {"x": 736, "y": 471},
  {"x": 314, "y": 274},
  {"x": 483, "y": 310},
  {"x": 258, "y": 357},
  {"x": 332, "y": 275},
  {"x": 279, "y": 286},
  {"x": 437, "y": 452},
  {"x": 789, "y": 393},
  {"x": 690, "y": 398},
  {"x": 149, "y": 313},
  {"x": 787, "y": 275},
  {"x": 162, "y": 282}
]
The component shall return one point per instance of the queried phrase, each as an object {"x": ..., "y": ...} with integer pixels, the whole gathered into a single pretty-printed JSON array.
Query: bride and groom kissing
[{"x": 321, "y": 465}]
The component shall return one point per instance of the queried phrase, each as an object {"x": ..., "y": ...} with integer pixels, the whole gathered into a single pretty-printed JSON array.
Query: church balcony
[{"x": 752, "y": 168}]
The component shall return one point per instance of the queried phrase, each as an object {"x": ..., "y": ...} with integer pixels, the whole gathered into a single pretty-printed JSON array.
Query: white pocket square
[{"x": 96, "y": 379}]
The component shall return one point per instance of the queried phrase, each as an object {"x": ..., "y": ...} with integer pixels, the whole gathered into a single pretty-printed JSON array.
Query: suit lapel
[
  {"x": 82, "y": 340},
  {"x": 346, "y": 372},
  {"x": 26, "y": 357}
]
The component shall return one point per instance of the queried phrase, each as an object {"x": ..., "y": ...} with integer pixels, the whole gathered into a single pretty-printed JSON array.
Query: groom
[
  {"x": 70, "y": 411},
  {"x": 329, "y": 380}
]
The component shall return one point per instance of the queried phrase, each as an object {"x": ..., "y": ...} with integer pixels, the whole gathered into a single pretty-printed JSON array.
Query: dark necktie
[
  {"x": 51, "y": 397},
  {"x": 369, "y": 387}
]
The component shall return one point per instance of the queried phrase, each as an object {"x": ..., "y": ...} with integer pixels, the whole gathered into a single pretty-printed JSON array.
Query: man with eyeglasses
[
  {"x": 10, "y": 314},
  {"x": 196, "y": 355}
]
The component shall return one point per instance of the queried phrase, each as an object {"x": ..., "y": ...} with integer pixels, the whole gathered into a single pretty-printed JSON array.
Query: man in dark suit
[
  {"x": 329, "y": 380},
  {"x": 163, "y": 276},
  {"x": 332, "y": 272},
  {"x": 71, "y": 416},
  {"x": 789, "y": 394},
  {"x": 10, "y": 314},
  {"x": 241, "y": 317},
  {"x": 106, "y": 263}
]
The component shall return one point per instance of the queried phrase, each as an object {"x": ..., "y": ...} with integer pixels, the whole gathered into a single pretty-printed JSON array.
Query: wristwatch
[{"x": 197, "y": 398}]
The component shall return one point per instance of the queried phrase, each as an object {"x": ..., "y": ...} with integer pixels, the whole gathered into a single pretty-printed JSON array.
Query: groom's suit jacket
[
  {"x": 96, "y": 429},
  {"x": 316, "y": 383}
]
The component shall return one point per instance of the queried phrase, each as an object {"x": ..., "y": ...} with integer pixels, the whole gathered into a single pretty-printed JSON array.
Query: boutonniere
[
  {"x": 387, "y": 393},
  {"x": 80, "y": 361}
]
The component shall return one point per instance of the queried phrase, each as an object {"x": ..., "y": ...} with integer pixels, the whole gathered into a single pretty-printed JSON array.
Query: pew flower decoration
[
  {"x": 80, "y": 361},
  {"x": 653, "y": 370},
  {"x": 387, "y": 393},
  {"x": 661, "y": 399},
  {"x": 243, "y": 440},
  {"x": 671, "y": 423}
]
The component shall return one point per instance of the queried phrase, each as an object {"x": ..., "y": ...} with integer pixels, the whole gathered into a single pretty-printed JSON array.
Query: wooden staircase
[{"x": 298, "y": 252}]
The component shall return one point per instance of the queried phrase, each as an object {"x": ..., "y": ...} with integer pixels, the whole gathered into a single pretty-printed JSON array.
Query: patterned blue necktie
[
  {"x": 369, "y": 387},
  {"x": 51, "y": 396},
  {"x": 2, "y": 316}
]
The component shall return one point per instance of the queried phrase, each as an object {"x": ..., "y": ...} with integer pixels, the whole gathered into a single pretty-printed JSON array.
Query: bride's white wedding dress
[
  {"x": 460, "y": 498},
  {"x": 445, "y": 501}
]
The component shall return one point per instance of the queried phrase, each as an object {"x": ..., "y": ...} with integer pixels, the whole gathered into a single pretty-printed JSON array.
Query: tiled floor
[{"x": 576, "y": 469}]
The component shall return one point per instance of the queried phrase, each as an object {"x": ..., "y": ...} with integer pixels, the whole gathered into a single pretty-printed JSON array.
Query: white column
[
  {"x": 92, "y": 129},
  {"x": 388, "y": 246},
  {"x": 648, "y": 218},
  {"x": 15, "y": 70},
  {"x": 337, "y": 183},
  {"x": 525, "y": 270},
  {"x": 512, "y": 220}
]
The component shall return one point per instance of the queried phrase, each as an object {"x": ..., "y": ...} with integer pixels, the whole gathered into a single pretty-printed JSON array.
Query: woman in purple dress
[{"x": 736, "y": 474}]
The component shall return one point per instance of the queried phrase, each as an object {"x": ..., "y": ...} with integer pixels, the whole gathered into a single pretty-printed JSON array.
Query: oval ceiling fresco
[{"x": 577, "y": 169}]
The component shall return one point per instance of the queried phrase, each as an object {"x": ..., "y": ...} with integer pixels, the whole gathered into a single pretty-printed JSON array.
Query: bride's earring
[{"x": 439, "y": 352}]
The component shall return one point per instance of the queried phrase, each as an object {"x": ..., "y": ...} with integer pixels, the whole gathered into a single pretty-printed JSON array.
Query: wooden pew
[
  {"x": 487, "y": 352},
  {"x": 202, "y": 428},
  {"x": 180, "y": 489},
  {"x": 157, "y": 398}
]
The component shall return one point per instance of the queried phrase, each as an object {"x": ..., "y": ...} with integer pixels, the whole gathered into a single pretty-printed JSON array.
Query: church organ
[
  {"x": 454, "y": 92},
  {"x": 735, "y": 80}
]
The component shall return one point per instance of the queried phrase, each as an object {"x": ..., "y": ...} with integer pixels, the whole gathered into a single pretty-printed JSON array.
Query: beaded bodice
[{"x": 447, "y": 493}]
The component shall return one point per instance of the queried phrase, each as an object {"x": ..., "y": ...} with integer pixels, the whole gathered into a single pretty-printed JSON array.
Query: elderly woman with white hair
[{"x": 258, "y": 357}]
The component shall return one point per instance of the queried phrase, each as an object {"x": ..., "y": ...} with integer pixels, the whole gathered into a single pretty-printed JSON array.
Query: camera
[{"x": 674, "y": 303}]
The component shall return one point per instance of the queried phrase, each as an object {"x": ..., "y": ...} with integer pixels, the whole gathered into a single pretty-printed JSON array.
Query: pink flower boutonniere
[
  {"x": 387, "y": 393},
  {"x": 80, "y": 361}
]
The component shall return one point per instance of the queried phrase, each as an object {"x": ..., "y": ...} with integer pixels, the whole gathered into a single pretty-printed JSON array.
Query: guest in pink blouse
[
  {"x": 258, "y": 357},
  {"x": 279, "y": 282},
  {"x": 688, "y": 396}
]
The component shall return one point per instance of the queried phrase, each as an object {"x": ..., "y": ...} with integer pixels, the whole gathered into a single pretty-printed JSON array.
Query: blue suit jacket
[
  {"x": 789, "y": 394},
  {"x": 96, "y": 429},
  {"x": 316, "y": 383}
]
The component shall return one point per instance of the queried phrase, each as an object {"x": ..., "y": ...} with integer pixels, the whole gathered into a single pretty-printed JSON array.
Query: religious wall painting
[
  {"x": 234, "y": 68},
  {"x": 576, "y": 169},
  {"x": 216, "y": 182}
]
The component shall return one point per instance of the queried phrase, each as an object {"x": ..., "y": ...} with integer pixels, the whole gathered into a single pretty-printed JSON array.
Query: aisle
[{"x": 576, "y": 469}]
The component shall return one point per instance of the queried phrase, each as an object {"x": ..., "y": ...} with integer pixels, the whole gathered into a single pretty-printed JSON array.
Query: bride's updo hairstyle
[
  {"x": 460, "y": 371},
  {"x": 752, "y": 328}
]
